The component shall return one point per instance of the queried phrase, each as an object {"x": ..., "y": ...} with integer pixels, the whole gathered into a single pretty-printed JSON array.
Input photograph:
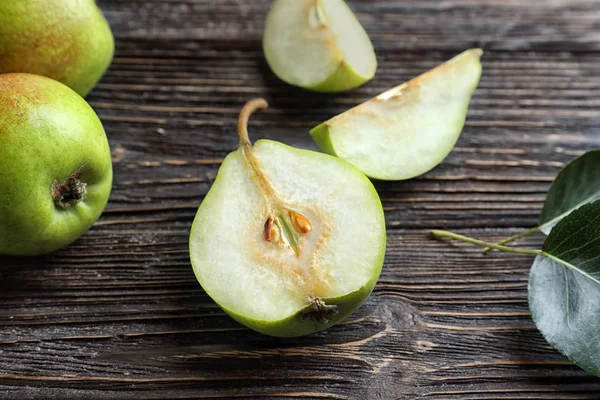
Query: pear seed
[
  {"x": 300, "y": 222},
  {"x": 271, "y": 231}
]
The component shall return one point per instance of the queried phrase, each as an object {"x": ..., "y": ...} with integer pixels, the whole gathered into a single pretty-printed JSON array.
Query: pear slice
[
  {"x": 283, "y": 247},
  {"x": 318, "y": 45},
  {"x": 410, "y": 129}
]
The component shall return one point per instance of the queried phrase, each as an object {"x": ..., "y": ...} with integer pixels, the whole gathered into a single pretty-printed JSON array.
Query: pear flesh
[
  {"x": 287, "y": 241},
  {"x": 410, "y": 129},
  {"x": 318, "y": 45}
]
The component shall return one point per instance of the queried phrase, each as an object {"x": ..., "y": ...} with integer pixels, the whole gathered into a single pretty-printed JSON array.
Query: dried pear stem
[
  {"x": 246, "y": 145},
  {"x": 250, "y": 108}
]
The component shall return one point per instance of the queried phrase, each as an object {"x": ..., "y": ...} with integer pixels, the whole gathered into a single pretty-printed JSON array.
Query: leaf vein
[
  {"x": 561, "y": 255},
  {"x": 571, "y": 266},
  {"x": 584, "y": 226}
]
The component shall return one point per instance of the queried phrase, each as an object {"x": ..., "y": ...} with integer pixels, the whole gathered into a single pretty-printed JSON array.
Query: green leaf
[
  {"x": 564, "y": 287},
  {"x": 577, "y": 184}
]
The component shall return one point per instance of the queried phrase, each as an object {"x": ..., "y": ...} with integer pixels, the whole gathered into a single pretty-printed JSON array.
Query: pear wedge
[
  {"x": 318, "y": 45},
  {"x": 410, "y": 129},
  {"x": 282, "y": 247}
]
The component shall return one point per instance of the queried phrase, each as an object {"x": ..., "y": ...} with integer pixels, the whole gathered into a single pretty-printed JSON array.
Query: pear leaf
[
  {"x": 576, "y": 184},
  {"x": 564, "y": 285}
]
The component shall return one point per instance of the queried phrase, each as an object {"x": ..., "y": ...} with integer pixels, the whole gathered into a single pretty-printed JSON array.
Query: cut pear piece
[
  {"x": 318, "y": 45},
  {"x": 282, "y": 247},
  {"x": 410, "y": 129}
]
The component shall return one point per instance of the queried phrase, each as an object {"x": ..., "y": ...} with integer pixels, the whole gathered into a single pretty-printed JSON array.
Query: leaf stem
[
  {"x": 456, "y": 236},
  {"x": 515, "y": 237}
]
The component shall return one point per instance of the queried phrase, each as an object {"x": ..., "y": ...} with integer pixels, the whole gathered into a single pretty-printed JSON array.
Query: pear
[
  {"x": 66, "y": 40},
  {"x": 410, "y": 129},
  {"x": 287, "y": 242},
  {"x": 55, "y": 165},
  {"x": 318, "y": 45}
]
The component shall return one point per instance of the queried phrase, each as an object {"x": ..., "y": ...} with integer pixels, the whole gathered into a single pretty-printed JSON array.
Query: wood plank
[{"x": 120, "y": 315}]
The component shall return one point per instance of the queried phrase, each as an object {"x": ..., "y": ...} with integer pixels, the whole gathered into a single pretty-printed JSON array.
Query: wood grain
[{"x": 119, "y": 314}]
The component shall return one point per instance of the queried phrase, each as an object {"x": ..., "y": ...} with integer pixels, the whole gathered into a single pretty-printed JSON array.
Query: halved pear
[
  {"x": 318, "y": 45},
  {"x": 287, "y": 241},
  {"x": 410, "y": 129}
]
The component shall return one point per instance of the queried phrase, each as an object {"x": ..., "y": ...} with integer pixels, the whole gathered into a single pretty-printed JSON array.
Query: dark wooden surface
[{"x": 119, "y": 315}]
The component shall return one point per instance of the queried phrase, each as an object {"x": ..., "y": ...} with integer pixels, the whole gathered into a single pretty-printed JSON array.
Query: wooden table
[{"x": 119, "y": 314}]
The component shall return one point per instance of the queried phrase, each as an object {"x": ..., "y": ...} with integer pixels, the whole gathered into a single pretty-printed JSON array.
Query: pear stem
[
  {"x": 484, "y": 244},
  {"x": 250, "y": 108},
  {"x": 246, "y": 148}
]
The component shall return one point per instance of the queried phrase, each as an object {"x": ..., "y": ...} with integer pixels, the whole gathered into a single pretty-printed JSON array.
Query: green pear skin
[
  {"x": 67, "y": 40},
  {"x": 51, "y": 143}
]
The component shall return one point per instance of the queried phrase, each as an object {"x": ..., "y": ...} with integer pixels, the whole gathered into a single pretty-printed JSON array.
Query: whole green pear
[
  {"x": 55, "y": 165},
  {"x": 66, "y": 40}
]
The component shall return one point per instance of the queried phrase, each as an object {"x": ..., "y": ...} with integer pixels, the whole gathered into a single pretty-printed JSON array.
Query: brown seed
[
  {"x": 300, "y": 222},
  {"x": 267, "y": 229},
  {"x": 271, "y": 231}
]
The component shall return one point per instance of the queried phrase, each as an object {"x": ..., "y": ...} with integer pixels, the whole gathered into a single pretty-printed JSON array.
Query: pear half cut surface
[
  {"x": 318, "y": 45},
  {"x": 410, "y": 129},
  {"x": 287, "y": 242}
]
